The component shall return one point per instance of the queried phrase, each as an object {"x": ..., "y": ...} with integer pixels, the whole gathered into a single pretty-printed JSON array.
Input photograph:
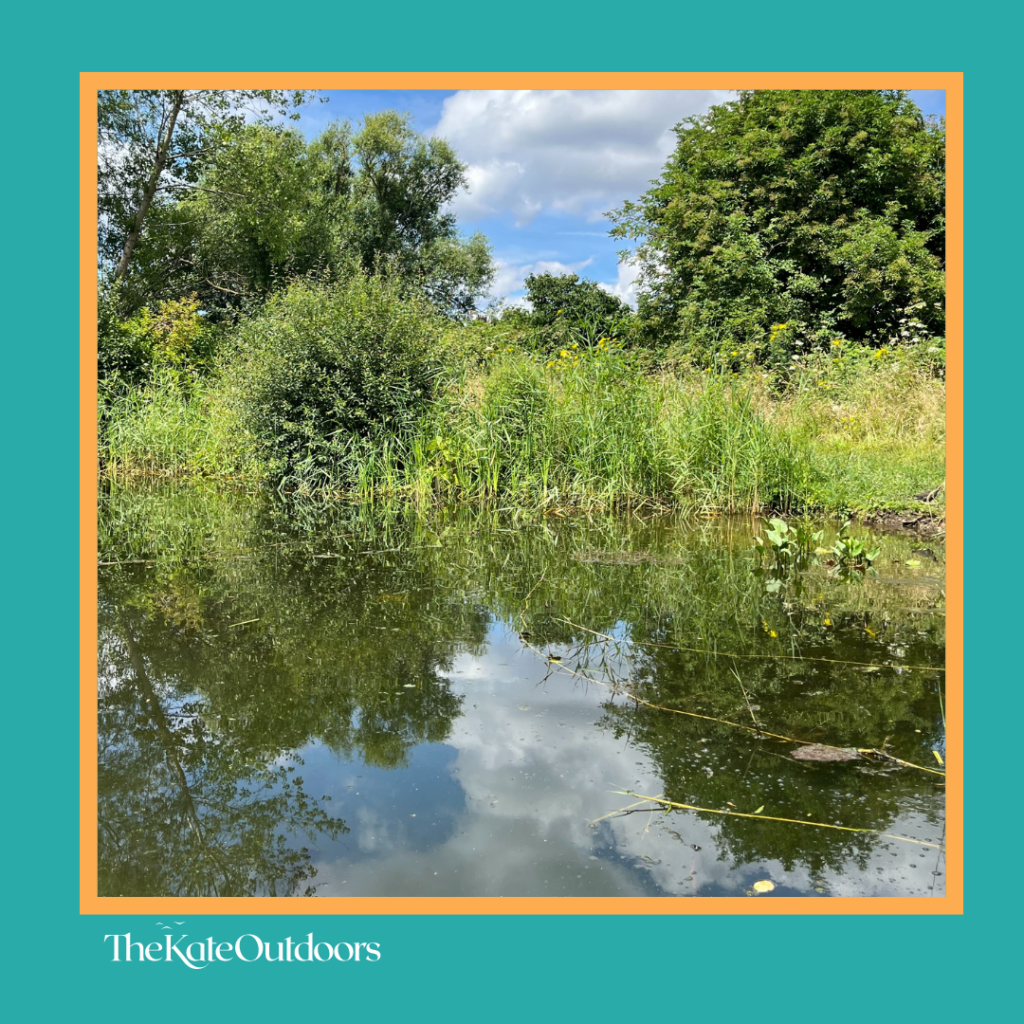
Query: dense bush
[
  {"x": 321, "y": 368},
  {"x": 172, "y": 340}
]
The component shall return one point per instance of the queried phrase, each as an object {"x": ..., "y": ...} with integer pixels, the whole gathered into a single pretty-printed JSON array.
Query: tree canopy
[
  {"x": 821, "y": 207},
  {"x": 198, "y": 197}
]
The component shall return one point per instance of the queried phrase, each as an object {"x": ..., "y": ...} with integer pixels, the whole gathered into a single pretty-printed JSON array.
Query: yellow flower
[
  {"x": 564, "y": 354},
  {"x": 828, "y": 622},
  {"x": 773, "y": 633},
  {"x": 735, "y": 353}
]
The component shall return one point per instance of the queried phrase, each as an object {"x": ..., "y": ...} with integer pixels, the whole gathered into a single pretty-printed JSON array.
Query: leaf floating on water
[
  {"x": 821, "y": 752},
  {"x": 764, "y": 886},
  {"x": 760, "y": 809},
  {"x": 554, "y": 657},
  {"x": 938, "y": 757}
]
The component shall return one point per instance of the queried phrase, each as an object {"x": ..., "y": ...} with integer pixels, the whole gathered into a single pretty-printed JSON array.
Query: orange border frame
[{"x": 951, "y": 903}]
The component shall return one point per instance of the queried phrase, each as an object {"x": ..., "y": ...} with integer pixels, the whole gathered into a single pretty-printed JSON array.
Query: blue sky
[{"x": 544, "y": 166}]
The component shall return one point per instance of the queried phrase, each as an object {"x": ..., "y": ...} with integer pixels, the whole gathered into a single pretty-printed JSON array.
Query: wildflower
[
  {"x": 564, "y": 354},
  {"x": 551, "y": 362},
  {"x": 773, "y": 633},
  {"x": 735, "y": 353},
  {"x": 828, "y": 622}
]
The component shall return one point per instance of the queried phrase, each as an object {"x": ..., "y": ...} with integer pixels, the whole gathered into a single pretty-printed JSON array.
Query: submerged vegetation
[{"x": 299, "y": 315}]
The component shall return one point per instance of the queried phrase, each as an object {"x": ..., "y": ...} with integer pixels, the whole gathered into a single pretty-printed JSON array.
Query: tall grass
[
  {"x": 590, "y": 427},
  {"x": 162, "y": 429}
]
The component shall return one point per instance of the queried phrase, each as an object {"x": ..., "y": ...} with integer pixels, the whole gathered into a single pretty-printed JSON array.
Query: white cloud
[
  {"x": 625, "y": 285},
  {"x": 573, "y": 152},
  {"x": 511, "y": 277}
]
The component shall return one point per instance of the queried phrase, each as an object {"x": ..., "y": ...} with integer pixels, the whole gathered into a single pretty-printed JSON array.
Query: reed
[{"x": 584, "y": 428}]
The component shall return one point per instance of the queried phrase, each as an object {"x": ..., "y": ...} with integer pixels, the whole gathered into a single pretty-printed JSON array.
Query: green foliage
[
  {"x": 265, "y": 209},
  {"x": 322, "y": 367},
  {"x": 153, "y": 148},
  {"x": 822, "y": 208},
  {"x": 727, "y": 451},
  {"x": 492, "y": 418},
  {"x": 163, "y": 429},
  {"x": 790, "y": 548},
  {"x": 270, "y": 207},
  {"x": 568, "y": 309},
  {"x": 173, "y": 340},
  {"x": 787, "y": 545},
  {"x": 851, "y": 552}
]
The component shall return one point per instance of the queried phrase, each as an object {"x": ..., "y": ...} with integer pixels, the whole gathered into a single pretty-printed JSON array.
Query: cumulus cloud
[
  {"x": 575, "y": 152},
  {"x": 624, "y": 287},
  {"x": 511, "y": 277}
]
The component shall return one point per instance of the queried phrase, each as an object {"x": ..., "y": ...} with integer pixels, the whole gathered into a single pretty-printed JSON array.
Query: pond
[{"x": 346, "y": 701}]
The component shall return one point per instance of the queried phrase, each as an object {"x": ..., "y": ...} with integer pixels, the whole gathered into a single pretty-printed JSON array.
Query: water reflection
[{"x": 340, "y": 704}]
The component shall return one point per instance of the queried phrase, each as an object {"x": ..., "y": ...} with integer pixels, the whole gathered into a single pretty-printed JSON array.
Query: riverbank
[{"x": 852, "y": 431}]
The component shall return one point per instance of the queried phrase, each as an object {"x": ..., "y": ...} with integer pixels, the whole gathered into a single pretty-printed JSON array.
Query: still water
[{"x": 344, "y": 702}]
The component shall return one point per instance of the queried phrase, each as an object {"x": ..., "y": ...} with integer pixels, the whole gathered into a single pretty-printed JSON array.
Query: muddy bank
[{"x": 922, "y": 524}]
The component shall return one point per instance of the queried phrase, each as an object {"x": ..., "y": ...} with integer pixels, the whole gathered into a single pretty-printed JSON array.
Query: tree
[
  {"x": 398, "y": 217},
  {"x": 585, "y": 307},
  {"x": 154, "y": 141},
  {"x": 822, "y": 207},
  {"x": 269, "y": 207}
]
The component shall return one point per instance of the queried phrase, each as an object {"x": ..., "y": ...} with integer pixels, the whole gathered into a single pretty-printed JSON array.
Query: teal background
[{"x": 493, "y": 968}]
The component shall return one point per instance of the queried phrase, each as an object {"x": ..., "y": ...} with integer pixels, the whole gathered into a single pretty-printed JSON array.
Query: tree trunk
[{"x": 162, "y": 149}]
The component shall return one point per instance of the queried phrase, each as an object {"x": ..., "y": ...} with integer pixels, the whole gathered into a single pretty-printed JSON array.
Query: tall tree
[
  {"x": 271, "y": 206},
  {"x": 819, "y": 206},
  {"x": 157, "y": 141}
]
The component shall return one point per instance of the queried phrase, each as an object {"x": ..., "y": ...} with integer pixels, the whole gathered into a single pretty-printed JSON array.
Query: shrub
[
  {"x": 322, "y": 368},
  {"x": 567, "y": 309},
  {"x": 172, "y": 339}
]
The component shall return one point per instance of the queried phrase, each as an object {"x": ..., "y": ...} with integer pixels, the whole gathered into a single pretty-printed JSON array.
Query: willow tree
[{"x": 154, "y": 143}]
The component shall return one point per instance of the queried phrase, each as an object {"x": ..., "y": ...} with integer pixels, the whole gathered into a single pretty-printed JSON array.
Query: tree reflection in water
[{"x": 234, "y": 633}]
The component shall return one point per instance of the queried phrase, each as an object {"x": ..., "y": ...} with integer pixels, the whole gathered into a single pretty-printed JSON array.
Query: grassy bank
[
  {"x": 853, "y": 431},
  {"x": 359, "y": 388}
]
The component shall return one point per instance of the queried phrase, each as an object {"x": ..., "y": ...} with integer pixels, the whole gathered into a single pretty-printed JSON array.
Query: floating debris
[{"x": 821, "y": 752}]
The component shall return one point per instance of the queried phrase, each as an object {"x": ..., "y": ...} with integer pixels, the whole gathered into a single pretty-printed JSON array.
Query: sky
[{"x": 545, "y": 166}]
